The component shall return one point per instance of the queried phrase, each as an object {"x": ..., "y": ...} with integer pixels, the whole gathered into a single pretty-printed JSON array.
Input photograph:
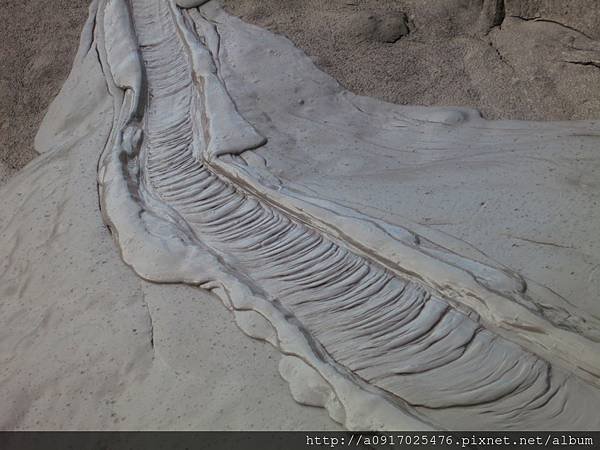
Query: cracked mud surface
[{"x": 511, "y": 59}]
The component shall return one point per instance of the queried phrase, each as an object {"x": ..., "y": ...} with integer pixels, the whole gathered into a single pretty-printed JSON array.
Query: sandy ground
[
  {"x": 38, "y": 43},
  {"x": 508, "y": 61}
]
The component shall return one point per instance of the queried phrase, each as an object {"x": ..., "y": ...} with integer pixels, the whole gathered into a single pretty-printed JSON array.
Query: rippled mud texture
[
  {"x": 384, "y": 328},
  {"x": 86, "y": 344}
]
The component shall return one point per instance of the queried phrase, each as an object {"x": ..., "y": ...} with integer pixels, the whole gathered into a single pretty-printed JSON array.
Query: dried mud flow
[
  {"x": 424, "y": 336},
  {"x": 411, "y": 267}
]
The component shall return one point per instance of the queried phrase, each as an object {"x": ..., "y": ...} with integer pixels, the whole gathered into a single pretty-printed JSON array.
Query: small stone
[
  {"x": 387, "y": 28},
  {"x": 392, "y": 28}
]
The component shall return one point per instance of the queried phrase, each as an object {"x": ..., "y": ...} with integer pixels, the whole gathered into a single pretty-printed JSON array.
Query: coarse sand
[{"x": 38, "y": 41}]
